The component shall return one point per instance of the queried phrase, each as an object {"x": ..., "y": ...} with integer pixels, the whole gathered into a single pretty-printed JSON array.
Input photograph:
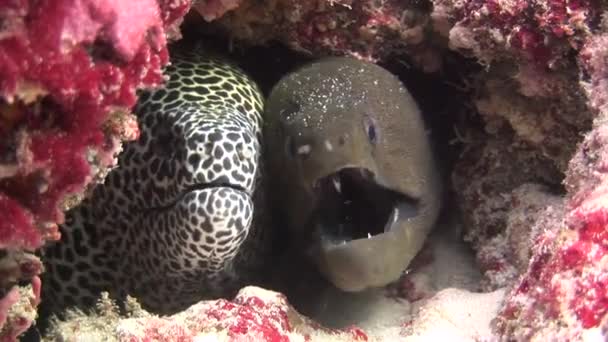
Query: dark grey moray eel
[
  {"x": 352, "y": 169},
  {"x": 175, "y": 222}
]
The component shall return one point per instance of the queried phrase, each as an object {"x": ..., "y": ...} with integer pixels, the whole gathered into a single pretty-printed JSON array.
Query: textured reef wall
[
  {"x": 69, "y": 71},
  {"x": 531, "y": 181},
  {"x": 367, "y": 29}
]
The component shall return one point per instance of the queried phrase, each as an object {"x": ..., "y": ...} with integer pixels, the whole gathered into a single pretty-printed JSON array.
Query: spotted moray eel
[{"x": 175, "y": 222}]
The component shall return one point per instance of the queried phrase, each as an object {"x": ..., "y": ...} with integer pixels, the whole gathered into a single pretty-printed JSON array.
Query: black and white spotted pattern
[{"x": 173, "y": 224}]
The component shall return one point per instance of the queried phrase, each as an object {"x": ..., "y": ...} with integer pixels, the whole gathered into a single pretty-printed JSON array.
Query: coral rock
[
  {"x": 18, "y": 309},
  {"x": 254, "y": 315},
  {"x": 540, "y": 31},
  {"x": 369, "y": 30},
  {"x": 563, "y": 294},
  {"x": 537, "y": 106},
  {"x": 485, "y": 178},
  {"x": 69, "y": 70},
  {"x": 529, "y": 210},
  {"x": 213, "y": 9}
]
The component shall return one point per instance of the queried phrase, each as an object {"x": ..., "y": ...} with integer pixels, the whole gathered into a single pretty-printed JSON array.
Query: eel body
[{"x": 174, "y": 223}]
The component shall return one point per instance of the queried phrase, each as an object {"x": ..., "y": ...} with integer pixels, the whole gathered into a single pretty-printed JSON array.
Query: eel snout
[{"x": 352, "y": 204}]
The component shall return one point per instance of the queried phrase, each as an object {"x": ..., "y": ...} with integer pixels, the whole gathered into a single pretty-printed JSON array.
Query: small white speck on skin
[
  {"x": 304, "y": 149},
  {"x": 337, "y": 184},
  {"x": 329, "y": 146},
  {"x": 246, "y": 153}
]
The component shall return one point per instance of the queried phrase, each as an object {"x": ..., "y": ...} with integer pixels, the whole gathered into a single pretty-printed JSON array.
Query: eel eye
[{"x": 371, "y": 129}]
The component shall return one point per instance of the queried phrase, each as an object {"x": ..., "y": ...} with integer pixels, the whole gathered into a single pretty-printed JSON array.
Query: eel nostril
[
  {"x": 304, "y": 150},
  {"x": 294, "y": 150},
  {"x": 291, "y": 109},
  {"x": 371, "y": 130}
]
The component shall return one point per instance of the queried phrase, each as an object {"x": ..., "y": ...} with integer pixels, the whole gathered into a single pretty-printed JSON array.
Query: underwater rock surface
[
  {"x": 367, "y": 29},
  {"x": 255, "y": 314}
]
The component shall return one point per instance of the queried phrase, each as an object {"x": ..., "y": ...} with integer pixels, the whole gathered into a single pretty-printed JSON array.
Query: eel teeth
[
  {"x": 395, "y": 214},
  {"x": 392, "y": 219},
  {"x": 337, "y": 184}
]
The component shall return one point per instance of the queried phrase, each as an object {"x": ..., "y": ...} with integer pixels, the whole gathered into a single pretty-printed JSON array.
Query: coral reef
[
  {"x": 68, "y": 76},
  {"x": 490, "y": 179},
  {"x": 563, "y": 294},
  {"x": 538, "y": 32},
  {"x": 18, "y": 309},
  {"x": 538, "y": 111},
  {"x": 69, "y": 71},
  {"x": 370, "y": 30},
  {"x": 255, "y": 314},
  {"x": 533, "y": 113}
]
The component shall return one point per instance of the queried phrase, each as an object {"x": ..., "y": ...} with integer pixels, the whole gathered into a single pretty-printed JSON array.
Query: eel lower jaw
[{"x": 353, "y": 205}]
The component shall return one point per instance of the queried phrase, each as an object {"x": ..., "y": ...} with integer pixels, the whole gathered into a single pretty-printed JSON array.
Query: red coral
[
  {"x": 18, "y": 231},
  {"x": 69, "y": 70},
  {"x": 369, "y": 30},
  {"x": 254, "y": 315},
  {"x": 539, "y": 31},
  {"x": 51, "y": 52},
  {"x": 566, "y": 284}
]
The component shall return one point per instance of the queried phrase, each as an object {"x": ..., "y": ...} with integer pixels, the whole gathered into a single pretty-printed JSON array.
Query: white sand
[{"x": 453, "y": 311}]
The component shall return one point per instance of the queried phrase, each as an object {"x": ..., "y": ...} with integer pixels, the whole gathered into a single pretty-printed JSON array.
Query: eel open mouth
[{"x": 352, "y": 205}]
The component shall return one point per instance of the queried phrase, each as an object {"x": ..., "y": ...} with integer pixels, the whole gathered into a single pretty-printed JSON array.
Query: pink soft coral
[{"x": 69, "y": 70}]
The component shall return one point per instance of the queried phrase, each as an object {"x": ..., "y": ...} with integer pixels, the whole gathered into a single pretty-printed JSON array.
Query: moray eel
[
  {"x": 175, "y": 222},
  {"x": 353, "y": 169}
]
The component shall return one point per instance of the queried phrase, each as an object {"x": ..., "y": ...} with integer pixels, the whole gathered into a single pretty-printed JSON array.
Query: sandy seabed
[{"x": 452, "y": 306}]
